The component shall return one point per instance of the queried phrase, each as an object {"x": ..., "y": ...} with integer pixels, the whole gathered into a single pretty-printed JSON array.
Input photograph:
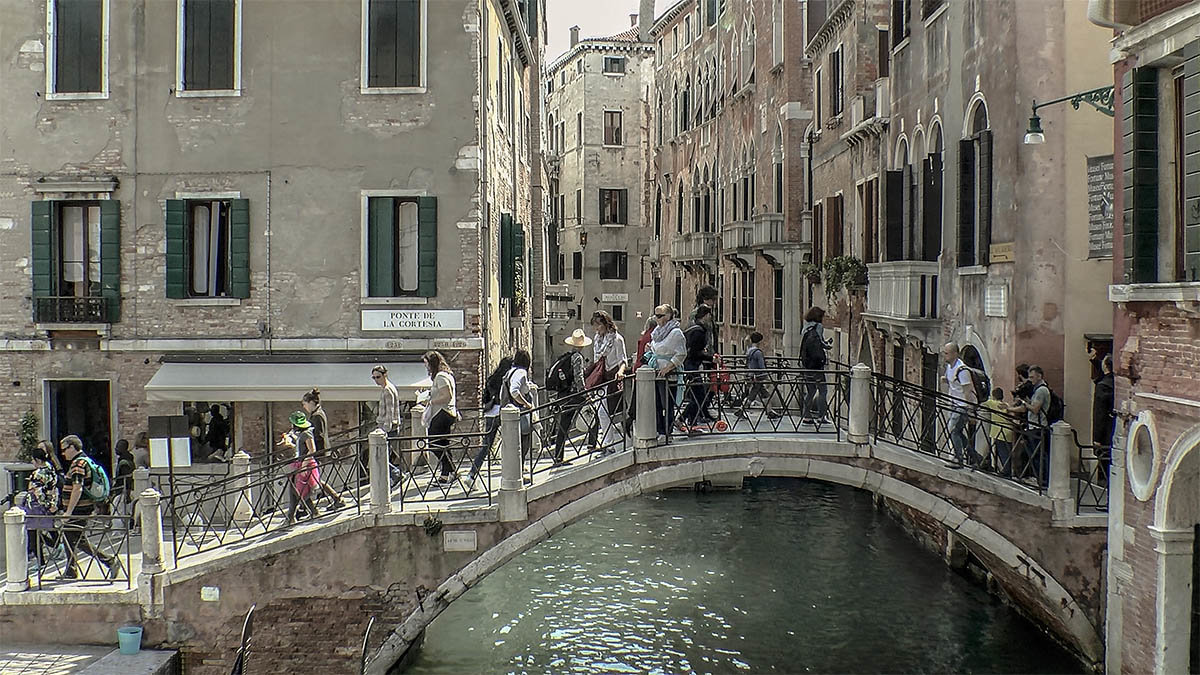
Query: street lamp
[{"x": 1100, "y": 99}]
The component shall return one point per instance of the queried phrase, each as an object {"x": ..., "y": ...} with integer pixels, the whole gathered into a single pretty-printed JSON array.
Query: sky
[{"x": 595, "y": 18}]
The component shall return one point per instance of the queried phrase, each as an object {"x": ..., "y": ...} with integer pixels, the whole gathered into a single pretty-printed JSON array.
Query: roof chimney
[
  {"x": 574, "y": 35},
  {"x": 633, "y": 20}
]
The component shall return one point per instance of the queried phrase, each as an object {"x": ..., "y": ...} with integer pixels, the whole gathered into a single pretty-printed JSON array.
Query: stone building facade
[
  {"x": 196, "y": 209},
  {"x": 599, "y": 238},
  {"x": 1154, "y": 514},
  {"x": 728, "y": 201}
]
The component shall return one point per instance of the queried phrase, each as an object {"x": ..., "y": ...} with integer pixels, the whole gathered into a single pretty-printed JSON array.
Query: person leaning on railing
[
  {"x": 668, "y": 350},
  {"x": 699, "y": 358},
  {"x": 1000, "y": 432}
]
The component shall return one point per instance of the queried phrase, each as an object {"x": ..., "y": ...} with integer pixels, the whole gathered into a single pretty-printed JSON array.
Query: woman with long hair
[
  {"x": 441, "y": 412},
  {"x": 491, "y": 415},
  {"x": 311, "y": 402},
  {"x": 668, "y": 348},
  {"x": 608, "y": 349}
]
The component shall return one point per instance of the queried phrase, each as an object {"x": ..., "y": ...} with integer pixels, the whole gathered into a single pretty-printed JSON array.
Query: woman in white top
[
  {"x": 608, "y": 348},
  {"x": 440, "y": 412},
  {"x": 669, "y": 348}
]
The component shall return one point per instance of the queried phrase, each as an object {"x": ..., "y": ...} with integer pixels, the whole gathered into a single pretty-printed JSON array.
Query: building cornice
[
  {"x": 596, "y": 45},
  {"x": 840, "y": 17},
  {"x": 516, "y": 25},
  {"x": 668, "y": 16},
  {"x": 1158, "y": 37}
]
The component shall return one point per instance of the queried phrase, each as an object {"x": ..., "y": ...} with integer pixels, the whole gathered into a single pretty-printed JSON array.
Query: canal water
[{"x": 785, "y": 576}]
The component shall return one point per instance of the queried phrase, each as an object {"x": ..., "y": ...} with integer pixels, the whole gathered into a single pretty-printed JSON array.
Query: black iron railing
[
  {"x": 1091, "y": 477},
  {"x": 575, "y": 426},
  {"x": 70, "y": 309},
  {"x": 91, "y": 549},
  {"x": 962, "y": 433}
]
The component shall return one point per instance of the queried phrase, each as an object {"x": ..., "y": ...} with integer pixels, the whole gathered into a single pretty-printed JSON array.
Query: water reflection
[{"x": 785, "y": 576}]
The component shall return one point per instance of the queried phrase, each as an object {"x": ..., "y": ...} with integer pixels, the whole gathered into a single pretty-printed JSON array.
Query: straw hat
[{"x": 578, "y": 339}]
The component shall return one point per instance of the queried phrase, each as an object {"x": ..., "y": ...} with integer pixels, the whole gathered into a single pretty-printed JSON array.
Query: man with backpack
[
  {"x": 88, "y": 487},
  {"x": 565, "y": 381},
  {"x": 1042, "y": 408},
  {"x": 814, "y": 358},
  {"x": 962, "y": 390}
]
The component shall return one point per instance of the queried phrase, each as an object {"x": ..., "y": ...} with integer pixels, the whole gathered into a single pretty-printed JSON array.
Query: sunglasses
[
  {"x": 376, "y": 377},
  {"x": 660, "y": 316}
]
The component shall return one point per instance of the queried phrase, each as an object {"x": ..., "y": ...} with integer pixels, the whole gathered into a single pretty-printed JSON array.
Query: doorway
[{"x": 82, "y": 408}]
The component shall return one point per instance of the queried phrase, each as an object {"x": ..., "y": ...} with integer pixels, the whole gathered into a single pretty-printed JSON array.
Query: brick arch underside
[{"x": 994, "y": 547}]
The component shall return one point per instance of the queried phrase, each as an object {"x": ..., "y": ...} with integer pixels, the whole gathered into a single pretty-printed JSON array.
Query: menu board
[{"x": 1100, "y": 206}]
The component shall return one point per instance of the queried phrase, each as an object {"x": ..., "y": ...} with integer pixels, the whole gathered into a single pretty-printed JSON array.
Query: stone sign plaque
[
  {"x": 459, "y": 540},
  {"x": 1100, "y": 206},
  {"x": 412, "y": 320}
]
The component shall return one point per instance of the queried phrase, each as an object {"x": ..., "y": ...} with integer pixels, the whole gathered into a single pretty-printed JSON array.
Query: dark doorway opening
[
  {"x": 929, "y": 382},
  {"x": 81, "y": 407}
]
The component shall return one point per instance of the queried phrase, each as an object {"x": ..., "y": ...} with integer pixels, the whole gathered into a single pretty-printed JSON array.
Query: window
[
  {"x": 579, "y": 67},
  {"x": 579, "y": 207},
  {"x": 78, "y": 58},
  {"x": 512, "y": 259},
  {"x": 870, "y": 228},
  {"x": 201, "y": 260},
  {"x": 614, "y": 265},
  {"x": 837, "y": 93},
  {"x": 833, "y": 237},
  {"x": 817, "y": 97},
  {"x": 735, "y": 300},
  {"x": 883, "y": 55},
  {"x": 901, "y": 10},
  {"x": 777, "y": 33},
  {"x": 975, "y": 192},
  {"x": 678, "y": 293},
  {"x": 577, "y": 265},
  {"x": 208, "y": 57},
  {"x": 614, "y": 64},
  {"x": 657, "y": 291},
  {"x": 401, "y": 246},
  {"x": 720, "y": 297},
  {"x": 617, "y": 312},
  {"x": 76, "y": 254},
  {"x": 928, "y": 7},
  {"x": 614, "y": 207},
  {"x": 675, "y": 40},
  {"x": 710, "y": 12},
  {"x": 579, "y": 129},
  {"x": 778, "y": 298},
  {"x": 687, "y": 29},
  {"x": 815, "y": 17},
  {"x": 394, "y": 41},
  {"x": 612, "y": 127}
]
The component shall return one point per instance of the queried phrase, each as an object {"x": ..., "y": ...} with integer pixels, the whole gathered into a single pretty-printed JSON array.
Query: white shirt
[
  {"x": 518, "y": 383},
  {"x": 958, "y": 378},
  {"x": 613, "y": 352},
  {"x": 443, "y": 383},
  {"x": 672, "y": 348}
]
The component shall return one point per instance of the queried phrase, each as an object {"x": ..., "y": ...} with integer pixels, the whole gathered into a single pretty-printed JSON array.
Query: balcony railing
[
  {"x": 736, "y": 235},
  {"x": 70, "y": 309},
  {"x": 693, "y": 246},
  {"x": 905, "y": 290},
  {"x": 768, "y": 231}
]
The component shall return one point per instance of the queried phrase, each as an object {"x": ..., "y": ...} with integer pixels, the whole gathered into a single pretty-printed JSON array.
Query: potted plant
[
  {"x": 844, "y": 272},
  {"x": 811, "y": 273},
  {"x": 29, "y": 435}
]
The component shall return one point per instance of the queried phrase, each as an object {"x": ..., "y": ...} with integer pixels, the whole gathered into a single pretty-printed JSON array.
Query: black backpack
[
  {"x": 491, "y": 389},
  {"x": 980, "y": 382},
  {"x": 561, "y": 375},
  {"x": 812, "y": 351},
  {"x": 1056, "y": 408}
]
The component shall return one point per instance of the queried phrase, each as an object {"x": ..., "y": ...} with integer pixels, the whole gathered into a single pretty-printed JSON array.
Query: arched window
[
  {"x": 975, "y": 187},
  {"x": 684, "y": 107},
  {"x": 897, "y": 203},
  {"x": 748, "y": 56},
  {"x": 658, "y": 213},
  {"x": 679, "y": 210},
  {"x": 778, "y": 173},
  {"x": 696, "y": 188},
  {"x": 931, "y": 196},
  {"x": 747, "y": 194},
  {"x": 707, "y": 224}
]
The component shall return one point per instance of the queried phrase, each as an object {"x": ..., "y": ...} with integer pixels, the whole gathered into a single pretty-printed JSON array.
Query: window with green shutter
[
  {"x": 1191, "y": 162},
  {"x": 76, "y": 261},
  {"x": 508, "y": 270},
  {"x": 393, "y": 57},
  {"x": 1139, "y": 92},
  {"x": 208, "y": 248},
  {"x": 402, "y": 246},
  {"x": 208, "y": 44},
  {"x": 78, "y": 57}
]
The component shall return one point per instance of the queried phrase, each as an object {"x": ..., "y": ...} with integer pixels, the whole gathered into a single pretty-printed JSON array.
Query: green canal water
[{"x": 784, "y": 576}]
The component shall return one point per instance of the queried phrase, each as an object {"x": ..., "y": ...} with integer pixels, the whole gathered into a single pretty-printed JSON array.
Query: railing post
[
  {"x": 150, "y": 511},
  {"x": 1059, "y": 490},
  {"x": 860, "y": 405},
  {"x": 381, "y": 501},
  {"x": 141, "y": 483},
  {"x": 16, "y": 542},
  {"x": 513, "y": 504},
  {"x": 411, "y": 456},
  {"x": 645, "y": 431},
  {"x": 243, "y": 509}
]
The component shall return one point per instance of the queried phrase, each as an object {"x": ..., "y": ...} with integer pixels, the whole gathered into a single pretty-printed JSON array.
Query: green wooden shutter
[
  {"x": 381, "y": 247},
  {"x": 893, "y": 216},
  {"x": 1139, "y": 88},
  {"x": 985, "y": 197},
  {"x": 931, "y": 213},
  {"x": 43, "y": 248},
  {"x": 1191, "y": 162},
  {"x": 176, "y": 233},
  {"x": 519, "y": 272},
  {"x": 966, "y": 203},
  {"x": 110, "y": 257},
  {"x": 239, "y": 248},
  {"x": 427, "y": 247},
  {"x": 507, "y": 271}
]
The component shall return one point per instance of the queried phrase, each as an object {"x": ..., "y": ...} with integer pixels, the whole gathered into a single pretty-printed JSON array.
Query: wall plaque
[
  {"x": 459, "y": 540},
  {"x": 412, "y": 320}
]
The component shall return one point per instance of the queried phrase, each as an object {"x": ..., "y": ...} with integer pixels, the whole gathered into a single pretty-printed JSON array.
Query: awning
[{"x": 279, "y": 381}]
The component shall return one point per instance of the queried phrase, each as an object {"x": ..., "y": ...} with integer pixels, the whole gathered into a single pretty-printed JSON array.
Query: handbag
[{"x": 594, "y": 376}]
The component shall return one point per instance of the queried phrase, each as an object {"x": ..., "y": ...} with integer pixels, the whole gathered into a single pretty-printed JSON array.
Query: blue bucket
[{"x": 129, "y": 638}]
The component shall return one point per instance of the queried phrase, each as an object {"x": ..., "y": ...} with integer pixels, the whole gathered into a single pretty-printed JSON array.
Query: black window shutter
[
  {"x": 603, "y": 202},
  {"x": 427, "y": 247},
  {"x": 624, "y": 217},
  {"x": 1191, "y": 169},
  {"x": 77, "y": 46},
  {"x": 906, "y": 210},
  {"x": 110, "y": 258},
  {"x": 381, "y": 247},
  {"x": 239, "y": 248},
  {"x": 893, "y": 214},
  {"x": 382, "y": 30},
  {"x": 1140, "y": 173},
  {"x": 931, "y": 239},
  {"x": 507, "y": 256},
  {"x": 985, "y": 196},
  {"x": 176, "y": 235},
  {"x": 966, "y": 202},
  {"x": 43, "y": 226}
]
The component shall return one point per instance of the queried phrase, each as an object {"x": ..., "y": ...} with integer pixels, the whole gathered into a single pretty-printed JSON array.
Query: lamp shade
[{"x": 1034, "y": 134}]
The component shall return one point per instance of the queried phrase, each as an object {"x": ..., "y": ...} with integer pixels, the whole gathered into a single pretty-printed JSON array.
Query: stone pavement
[{"x": 82, "y": 660}]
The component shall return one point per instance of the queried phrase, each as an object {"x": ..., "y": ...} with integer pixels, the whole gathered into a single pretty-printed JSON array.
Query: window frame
[
  {"x": 622, "y": 197},
  {"x": 364, "y": 64},
  {"x": 180, "y": 29},
  {"x": 614, "y": 59},
  {"x": 365, "y": 298},
  {"x": 622, "y": 265},
  {"x": 192, "y": 198},
  {"x": 619, "y": 141},
  {"x": 52, "y": 57}
]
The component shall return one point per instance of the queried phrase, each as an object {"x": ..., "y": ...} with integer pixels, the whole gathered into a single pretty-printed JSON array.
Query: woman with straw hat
[{"x": 566, "y": 377}]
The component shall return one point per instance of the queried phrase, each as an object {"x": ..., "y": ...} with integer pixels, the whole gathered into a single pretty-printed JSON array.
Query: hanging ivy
[{"x": 843, "y": 272}]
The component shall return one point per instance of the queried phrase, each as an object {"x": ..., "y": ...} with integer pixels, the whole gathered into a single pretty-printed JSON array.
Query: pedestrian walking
[
  {"x": 668, "y": 352},
  {"x": 86, "y": 489},
  {"x": 565, "y": 381},
  {"x": 441, "y": 413},
  {"x": 311, "y": 403},
  {"x": 491, "y": 416},
  {"x": 304, "y": 476},
  {"x": 814, "y": 359},
  {"x": 387, "y": 418},
  {"x": 518, "y": 391},
  {"x": 958, "y": 378},
  {"x": 608, "y": 349},
  {"x": 699, "y": 357},
  {"x": 41, "y": 503},
  {"x": 757, "y": 378},
  {"x": 1103, "y": 412}
]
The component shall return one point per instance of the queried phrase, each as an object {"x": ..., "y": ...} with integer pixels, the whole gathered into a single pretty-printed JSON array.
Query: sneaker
[{"x": 115, "y": 570}]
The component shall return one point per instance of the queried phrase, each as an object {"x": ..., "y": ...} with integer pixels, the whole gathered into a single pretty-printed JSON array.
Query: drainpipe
[{"x": 485, "y": 226}]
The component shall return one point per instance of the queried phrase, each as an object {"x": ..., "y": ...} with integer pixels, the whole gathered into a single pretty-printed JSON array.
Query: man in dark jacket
[
  {"x": 1103, "y": 405},
  {"x": 699, "y": 357}
]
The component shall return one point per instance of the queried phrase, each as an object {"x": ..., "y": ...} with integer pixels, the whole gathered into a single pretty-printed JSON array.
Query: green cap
[{"x": 300, "y": 420}]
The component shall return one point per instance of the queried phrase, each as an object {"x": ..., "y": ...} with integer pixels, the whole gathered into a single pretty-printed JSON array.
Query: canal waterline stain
[{"x": 784, "y": 576}]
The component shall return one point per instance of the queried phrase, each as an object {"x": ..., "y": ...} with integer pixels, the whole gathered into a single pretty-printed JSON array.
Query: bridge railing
[
  {"x": 1091, "y": 476},
  {"x": 578, "y": 426},
  {"x": 452, "y": 467},
  {"x": 92, "y": 550},
  {"x": 961, "y": 433}
]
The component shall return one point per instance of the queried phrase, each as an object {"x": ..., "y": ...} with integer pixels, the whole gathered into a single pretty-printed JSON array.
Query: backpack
[
  {"x": 492, "y": 387},
  {"x": 980, "y": 382},
  {"x": 561, "y": 376},
  {"x": 1056, "y": 408},
  {"x": 812, "y": 352},
  {"x": 100, "y": 488}
]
